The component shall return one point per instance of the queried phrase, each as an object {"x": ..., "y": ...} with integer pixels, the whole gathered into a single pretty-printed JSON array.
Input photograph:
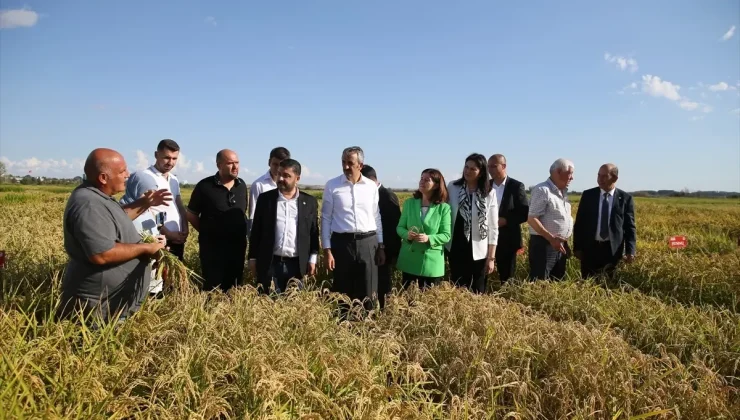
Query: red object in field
[
  {"x": 677, "y": 242},
  {"x": 520, "y": 251},
  {"x": 2, "y": 259}
]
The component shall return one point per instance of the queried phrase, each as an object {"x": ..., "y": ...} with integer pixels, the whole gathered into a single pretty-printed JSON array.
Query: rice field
[{"x": 662, "y": 341}]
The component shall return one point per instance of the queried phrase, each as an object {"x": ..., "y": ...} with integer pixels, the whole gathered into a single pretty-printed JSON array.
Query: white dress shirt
[
  {"x": 499, "y": 190},
  {"x": 286, "y": 228},
  {"x": 260, "y": 185},
  {"x": 350, "y": 208},
  {"x": 610, "y": 200}
]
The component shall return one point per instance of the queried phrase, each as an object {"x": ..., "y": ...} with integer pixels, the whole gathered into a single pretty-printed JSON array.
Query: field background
[{"x": 661, "y": 342}]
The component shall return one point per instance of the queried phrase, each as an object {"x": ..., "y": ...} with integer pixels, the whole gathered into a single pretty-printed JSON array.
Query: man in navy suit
[
  {"x": 604, "y": 232},
  {"x": 513, "y": 209}
]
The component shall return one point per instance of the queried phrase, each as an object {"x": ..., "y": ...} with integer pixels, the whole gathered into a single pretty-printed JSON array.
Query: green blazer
[{"x": 424, "y": 259}]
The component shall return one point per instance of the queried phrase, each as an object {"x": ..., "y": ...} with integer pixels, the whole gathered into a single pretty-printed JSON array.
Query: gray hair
[
  {"x": 561, "y": 164},
  {"x": 355, "y": 150},
  {"x": 613, "y": 170}
]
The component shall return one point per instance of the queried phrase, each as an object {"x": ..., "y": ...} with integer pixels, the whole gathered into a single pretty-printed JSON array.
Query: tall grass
[
  {"x": 667, "y": 348},
  {"x": 441, "y": 354},
  {"x": 654, "y": 327}
]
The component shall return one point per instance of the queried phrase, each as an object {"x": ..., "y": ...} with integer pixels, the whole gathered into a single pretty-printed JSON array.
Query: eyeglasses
[{"x": 231, "y": 198}]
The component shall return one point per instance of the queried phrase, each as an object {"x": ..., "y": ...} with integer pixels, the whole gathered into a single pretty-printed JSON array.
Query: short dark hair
[
  {"x": 369, "y": 172},
  {"x": 292, "y": 164},
  {"x": 280, "y": 153},
  {"x": 439, "y": 194},
  {"x": 169, "y": 145}
]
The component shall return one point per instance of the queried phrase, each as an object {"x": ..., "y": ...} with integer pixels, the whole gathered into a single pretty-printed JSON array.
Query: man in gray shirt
[{"x": 108, "y": 271}]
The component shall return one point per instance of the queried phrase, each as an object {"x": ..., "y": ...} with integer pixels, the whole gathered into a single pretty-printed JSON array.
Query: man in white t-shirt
[
  {"x": 266, "y": 182},
  {"x": 156, "y": 177}
]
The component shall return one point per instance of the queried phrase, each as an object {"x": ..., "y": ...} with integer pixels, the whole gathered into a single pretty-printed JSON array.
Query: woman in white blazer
[{"x": 474, "y": 214}]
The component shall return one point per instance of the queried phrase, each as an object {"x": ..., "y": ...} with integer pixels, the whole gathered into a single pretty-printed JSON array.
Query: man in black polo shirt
[{"x": 217, "y": 210}]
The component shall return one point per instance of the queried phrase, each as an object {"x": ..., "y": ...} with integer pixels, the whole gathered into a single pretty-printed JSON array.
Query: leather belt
[
  {"x": 353, "y": 235},
  {"x": 283, "y": 259}
]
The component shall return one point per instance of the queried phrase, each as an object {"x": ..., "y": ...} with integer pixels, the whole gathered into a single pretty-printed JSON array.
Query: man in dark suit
[
  {"x": 390, "y": 213},
  {"x": 284, "y": 241},
  {"x": 604, "y": 231},
  {"x": 513, "y": 209}
]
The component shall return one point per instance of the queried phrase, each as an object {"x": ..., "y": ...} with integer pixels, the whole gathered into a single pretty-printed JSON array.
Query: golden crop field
[{"x": 663, "y": 342}]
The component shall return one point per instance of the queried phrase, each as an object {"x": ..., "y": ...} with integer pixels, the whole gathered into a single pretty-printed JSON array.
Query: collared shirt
[
  {"x": 152, "y": 179},
  {"x": 286, "y": 228},
  {"x": 260, "y": 185},
  {"x": 552, "y": 207},
  {"x": 610, "y": 200},
  {"x": 349, "y": 207},
  {"x": 499, "y": 190},
  {"x": 94, "y": 223},
  {"x": 222, "y": 211}
]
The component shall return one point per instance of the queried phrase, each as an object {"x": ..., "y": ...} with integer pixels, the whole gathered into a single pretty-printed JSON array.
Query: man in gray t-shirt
[{"x": 108, "y": 269}]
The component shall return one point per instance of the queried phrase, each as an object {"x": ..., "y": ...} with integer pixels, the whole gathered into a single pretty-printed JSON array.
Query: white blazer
[{"x": 480, "y": 246}]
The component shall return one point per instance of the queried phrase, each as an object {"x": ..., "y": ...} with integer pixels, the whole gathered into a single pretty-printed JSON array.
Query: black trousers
[
  {"x": 355, "y": 270},
  {"x": 422, "y": 281},
  {"x": 280, "y": 272},
  {"x": 505, "y": 262},
  {"x": 384, "y": 282},
  {"x": 222, "y": 264},
  {"x": 177, "y": 250},
  {"x": 545, "y": 262},
  {"x": 598, "y": 260},
  {"x": 464, "y": 270}
]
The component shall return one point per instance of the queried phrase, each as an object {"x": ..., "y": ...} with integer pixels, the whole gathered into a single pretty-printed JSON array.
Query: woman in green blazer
[{"x": 424, "y": 227}]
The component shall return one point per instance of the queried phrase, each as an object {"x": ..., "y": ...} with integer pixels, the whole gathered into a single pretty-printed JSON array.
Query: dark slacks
[
  {"x": 222, "y": 264},
  {"x": 545, "y": 262},
  {"x": 384, "y": 282},
  {"x": 355, "y": 270},
  {"x": 505, "y": 262},
  {"x": 280, "y": 273},
  {"x": 177, "y": 250},
  {"x": 421, "y": 281},
  {"x": 464, "y": 270},
  {"x": 598, "y": 260}
]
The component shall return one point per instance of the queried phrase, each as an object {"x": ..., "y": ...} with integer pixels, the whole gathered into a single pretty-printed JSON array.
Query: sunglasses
[{"x": 231, "y": 197}]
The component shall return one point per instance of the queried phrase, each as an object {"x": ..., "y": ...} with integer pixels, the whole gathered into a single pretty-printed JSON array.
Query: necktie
[{"x": 604, "y": 228}]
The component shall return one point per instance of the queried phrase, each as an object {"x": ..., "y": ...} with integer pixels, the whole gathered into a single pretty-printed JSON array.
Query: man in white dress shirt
[
  {"x": 351, "y": 230},
  {"x": 285, "y": 235},
  {"x": 266, "y": 182}
]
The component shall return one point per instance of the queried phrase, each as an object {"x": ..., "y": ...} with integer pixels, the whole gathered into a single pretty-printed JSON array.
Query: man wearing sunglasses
[{"x": 217, "y": 210}]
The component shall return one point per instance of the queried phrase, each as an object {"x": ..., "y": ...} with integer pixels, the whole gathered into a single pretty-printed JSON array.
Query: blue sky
[{"x": 651, "y": 86}]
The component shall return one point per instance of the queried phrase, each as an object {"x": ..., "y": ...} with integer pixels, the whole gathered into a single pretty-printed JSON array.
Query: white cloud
[
  {"x": 18, "y": 18},
  {"x": 706, "y": 109},
  {"x": 183, "y": 162},
  {"x": 688, "y": 105},
  {"x": 629, "y": 87},
  {"x": 696, "y": 118},
  {"x": 729, "y": 33},
  {"x": 210, "y": 20},
  {"x": 623, "y": 63},
  {"x": 200, "y": 168},
  {"x": 142, "y": 161},
  {"x": 721, "y": 86},
  {"x": 307, "y": 173},
  {"x": 653, "y": 86},
  {"x": 46, "y": 167}
]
